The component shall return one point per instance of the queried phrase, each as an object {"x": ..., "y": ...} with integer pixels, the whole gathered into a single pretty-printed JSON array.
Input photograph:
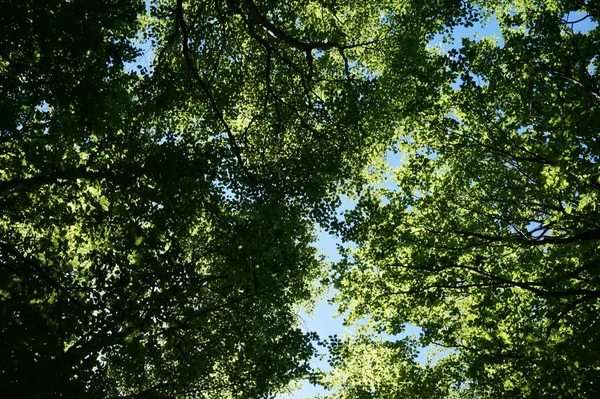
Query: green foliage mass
[
  {"x": 486, "y": 236},
  {"x": 157, "y": 221}
]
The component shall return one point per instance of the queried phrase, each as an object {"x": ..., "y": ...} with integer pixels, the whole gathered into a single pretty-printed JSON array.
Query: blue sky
[{"x": 322, "y": 320}]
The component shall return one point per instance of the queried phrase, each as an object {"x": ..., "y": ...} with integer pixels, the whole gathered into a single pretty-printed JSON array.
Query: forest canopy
[{"x": 165, "y": 167}]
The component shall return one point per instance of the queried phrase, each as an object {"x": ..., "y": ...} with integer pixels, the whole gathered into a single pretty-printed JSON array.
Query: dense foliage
[
  {"x": 158, "y": 219},
  {"x": 487, "y": 235}
]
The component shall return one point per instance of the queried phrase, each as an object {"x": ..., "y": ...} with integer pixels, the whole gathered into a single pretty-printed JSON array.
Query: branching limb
[
  {"x": 533, "y": 286},
  {"x": 180, "y": 21}
]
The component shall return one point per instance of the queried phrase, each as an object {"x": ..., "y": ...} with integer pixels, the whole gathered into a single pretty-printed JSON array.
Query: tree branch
[
  {"x": 180, "y": 22},
  {"x": 531, "y": 286},
  {"x": 590, "y": 235}
]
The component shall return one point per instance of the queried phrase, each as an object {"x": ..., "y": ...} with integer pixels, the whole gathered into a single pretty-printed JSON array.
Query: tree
[
  {"x": 489, "y": 239},
  {"x": 157, "y": 223},
  {"x": 157, "y": 226}
]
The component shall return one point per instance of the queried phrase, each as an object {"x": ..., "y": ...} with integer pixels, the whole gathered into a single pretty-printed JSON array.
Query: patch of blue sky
[
  {"x": 145, "y": 59},
  {"x": 452, "y": 40},
  {"x": 579, "y": 22},
  {"x": 325, "y": 319}
]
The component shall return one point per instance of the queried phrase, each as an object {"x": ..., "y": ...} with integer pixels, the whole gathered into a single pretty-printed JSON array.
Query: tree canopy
[
  {"x": 158, "y": 224},
  {"x": 487, "y": 235}
]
